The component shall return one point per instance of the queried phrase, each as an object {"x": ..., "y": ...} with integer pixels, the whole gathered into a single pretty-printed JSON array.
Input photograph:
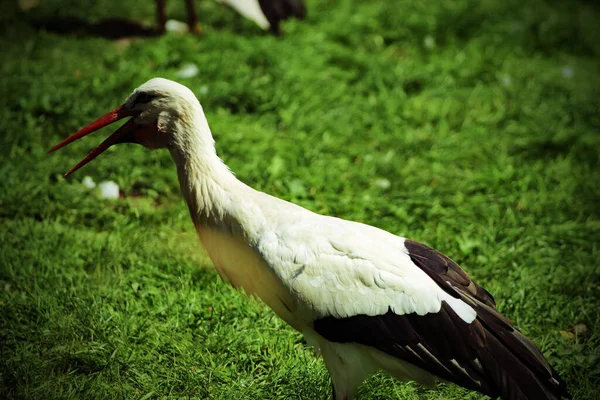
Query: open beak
[{"x": 124, "y": 134}]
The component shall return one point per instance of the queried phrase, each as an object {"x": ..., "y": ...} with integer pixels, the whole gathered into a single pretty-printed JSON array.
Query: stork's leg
[
  {"x": 347, "y": 364},
  {"x": 347, "y": 367},
  {"x": 275, "y": 29},
  {"x": 161, "y": 15},
  {"x": 192, "y": 16}
]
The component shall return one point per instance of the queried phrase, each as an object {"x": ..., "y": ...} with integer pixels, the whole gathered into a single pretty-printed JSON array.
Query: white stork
[
  {"x": 366, "y": 299},
  {"x": 267, "y": 14}
]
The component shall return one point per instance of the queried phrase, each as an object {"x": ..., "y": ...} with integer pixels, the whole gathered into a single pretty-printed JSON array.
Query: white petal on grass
[
  {"x": 188, "y": 70},
  {"x": 88, "y": 182},
  {"x": 109, "y": 190},
  {"x": 382, "y": 183},
  {"x": 429, "y": 42},
  {"x": 173, "y": 25},
  {"x": 567, "y": 72}
]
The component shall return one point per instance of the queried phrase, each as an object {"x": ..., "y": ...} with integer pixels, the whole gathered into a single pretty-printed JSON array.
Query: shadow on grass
[
  {"x": 110, "y": 28},
  {"x": 550, "y": 148}
]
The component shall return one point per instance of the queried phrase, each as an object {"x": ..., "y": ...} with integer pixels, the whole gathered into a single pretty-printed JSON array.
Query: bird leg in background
[
  {"x": 192, "y": 16},
  {"x": 161, "y": 14}
]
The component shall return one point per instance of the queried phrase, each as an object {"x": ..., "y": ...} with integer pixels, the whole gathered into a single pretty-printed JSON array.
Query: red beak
[{"x": 121, "y": 135}]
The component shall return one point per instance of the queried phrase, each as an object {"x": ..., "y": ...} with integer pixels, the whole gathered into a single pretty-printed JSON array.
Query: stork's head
[{"x": 158, "y": 109}]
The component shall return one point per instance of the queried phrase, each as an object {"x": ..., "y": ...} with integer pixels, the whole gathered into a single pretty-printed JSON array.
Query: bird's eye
[{"x": 143, "y": 98}]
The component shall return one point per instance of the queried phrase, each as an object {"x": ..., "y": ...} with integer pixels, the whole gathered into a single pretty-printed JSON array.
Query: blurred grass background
[{"x": 472, "y": 126}]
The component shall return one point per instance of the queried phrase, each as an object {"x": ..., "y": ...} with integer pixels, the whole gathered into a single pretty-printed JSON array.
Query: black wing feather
[
  {"x": 488, "y": 355},
  {"x": 446, "y": 273}
]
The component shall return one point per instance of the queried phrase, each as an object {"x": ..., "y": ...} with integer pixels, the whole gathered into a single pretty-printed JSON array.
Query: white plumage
[
  {"x": 366, "y": 300},
  {"x": 249, "y": 9},
  {"x": 343, "y": 268}
]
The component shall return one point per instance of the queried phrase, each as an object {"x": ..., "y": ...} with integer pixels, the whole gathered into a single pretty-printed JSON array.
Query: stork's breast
[{"x": 240, "y": 265}]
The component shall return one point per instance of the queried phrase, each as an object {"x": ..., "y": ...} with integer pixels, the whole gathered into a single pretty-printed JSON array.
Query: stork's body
[{"x": 366, "y": 299}]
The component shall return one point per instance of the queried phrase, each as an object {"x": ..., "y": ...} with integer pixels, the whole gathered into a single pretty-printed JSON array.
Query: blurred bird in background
[{"x": 267, "y": 14}]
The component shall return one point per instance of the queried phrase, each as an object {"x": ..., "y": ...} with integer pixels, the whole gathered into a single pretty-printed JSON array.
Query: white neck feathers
[{"x": 209, "y": 188}]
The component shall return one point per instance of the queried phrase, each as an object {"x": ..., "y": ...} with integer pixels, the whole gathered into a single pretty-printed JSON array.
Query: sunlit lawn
[{"x": 472, "y": 126}]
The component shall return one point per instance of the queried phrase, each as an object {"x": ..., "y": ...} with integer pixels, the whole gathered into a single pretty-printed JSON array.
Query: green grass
[{"x": 470, "y": 125}]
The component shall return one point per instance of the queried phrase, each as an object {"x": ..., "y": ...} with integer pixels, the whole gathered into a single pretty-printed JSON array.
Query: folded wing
[{"x": 369, "y": 287}]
